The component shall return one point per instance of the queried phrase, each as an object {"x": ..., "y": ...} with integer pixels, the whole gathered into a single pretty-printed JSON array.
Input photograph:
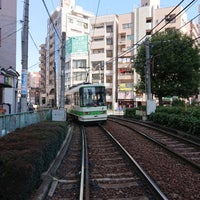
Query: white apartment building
[
  {"x": 8, "y": 74},
  {"x": 75, "y": 22},
  {"x": 102, "y": 48}
]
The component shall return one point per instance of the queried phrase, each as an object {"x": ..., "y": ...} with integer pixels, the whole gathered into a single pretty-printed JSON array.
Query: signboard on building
[
  {"x": 78, "y": 44},
  {"x": 125, "y": 95}
]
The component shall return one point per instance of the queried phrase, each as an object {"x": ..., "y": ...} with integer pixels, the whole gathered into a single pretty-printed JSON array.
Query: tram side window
[
  {"x": 76, "y": 98},
  {"x": 100, "y": 96},
  {"x": 81, "y": 97},
  {"x": 67, "y": 100}
]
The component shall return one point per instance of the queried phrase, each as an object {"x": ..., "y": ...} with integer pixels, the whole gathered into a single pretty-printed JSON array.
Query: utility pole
[
  {"x": 150, "y": 104},
  {"x": 55, "y": 89},
  {"x": 148, "y": 71},
  {"x": 62, "y": 92},
  {"x": 24, "y": 57}
]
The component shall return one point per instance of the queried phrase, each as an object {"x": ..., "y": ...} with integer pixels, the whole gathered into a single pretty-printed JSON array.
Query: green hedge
[
  {"x": 186, "y": 119},
  {"x": 25, "y": 154}
]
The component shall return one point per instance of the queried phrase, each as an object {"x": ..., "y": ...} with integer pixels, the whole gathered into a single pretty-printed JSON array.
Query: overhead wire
[
  {"x": 10, "y": 34},
  {"x": 59, "y": 37},
  {"x": 53, "y": 27},
  {"x": 97, "y": 11},
  {"x": 142, "y": 39}
]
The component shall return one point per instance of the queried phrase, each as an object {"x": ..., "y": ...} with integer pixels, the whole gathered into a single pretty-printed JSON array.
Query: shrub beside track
[
  {"x": 25, "y": 154},
  {"x": 186, "y": 119}
]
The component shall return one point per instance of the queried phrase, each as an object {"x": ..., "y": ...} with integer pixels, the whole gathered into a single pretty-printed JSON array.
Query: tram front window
[{"x": 93, "y": 96}]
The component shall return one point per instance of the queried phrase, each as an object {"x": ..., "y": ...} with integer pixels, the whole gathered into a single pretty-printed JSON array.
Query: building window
[
  {"x": 97, "y": 26},
  {"x": 109, "y": 53},
  {"x": 148, "y": 32},
  {"x": 98, "y": 39},
  {"x": 109, "y": 28},
  {"x": 170, "y": 18},
  {"x": 79, "y": 76},
  {"x": 85, "y": 25},
  {"x": 70, "y": 20},
  {"x": 109, "y": 66},
  {"x": 97, "y": 51},
  {"x": 97, "y": 65},
  {"x": 109, "y": 41},
  {"x": 109, "y": 79},
  {"x": 148, "y": 19},
  {"x": 127, "y": 25},
  {"x": 130, "y": 37},
  {"x": 79, "y": 64}
]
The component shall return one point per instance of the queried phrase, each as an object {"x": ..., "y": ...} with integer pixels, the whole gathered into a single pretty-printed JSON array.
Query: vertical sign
[{"x": 24, "y": 82}]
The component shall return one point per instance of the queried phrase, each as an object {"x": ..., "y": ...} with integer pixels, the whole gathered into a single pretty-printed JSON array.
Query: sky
[{"x": 38, "y": 20}]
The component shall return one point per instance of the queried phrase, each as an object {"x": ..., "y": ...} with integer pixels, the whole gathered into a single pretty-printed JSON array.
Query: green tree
[{"x": 175, "y": 65}]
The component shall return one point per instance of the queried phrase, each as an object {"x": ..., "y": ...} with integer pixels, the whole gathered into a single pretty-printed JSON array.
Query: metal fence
[{"x": 9, "y": 123}]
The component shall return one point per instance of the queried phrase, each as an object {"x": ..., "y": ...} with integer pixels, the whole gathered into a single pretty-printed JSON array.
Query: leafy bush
[
  {"x": 25, "y": 154},
  {"x": 183, "y": 118}
]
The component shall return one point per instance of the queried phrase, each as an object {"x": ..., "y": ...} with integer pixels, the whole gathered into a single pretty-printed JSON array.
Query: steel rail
[
  {"x": 155, "y": 189},
  {"x": 81, "y": 194},
  {"x": 196, "y": 166}
]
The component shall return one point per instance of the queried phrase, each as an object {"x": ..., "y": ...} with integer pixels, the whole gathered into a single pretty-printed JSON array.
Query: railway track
[
  {"x": 114, "y": 174},
  {"x": 178, "y": 178},
  {"x": 179, "y": 145},
  {"x": 64, "y": 179},
  {"x": 103, "y": 170}
]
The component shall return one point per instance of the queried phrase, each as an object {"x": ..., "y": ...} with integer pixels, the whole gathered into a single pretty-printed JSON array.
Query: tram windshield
[{"x": 92, "y": 96}]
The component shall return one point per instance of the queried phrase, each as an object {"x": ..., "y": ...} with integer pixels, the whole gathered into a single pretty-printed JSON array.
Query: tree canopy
[{"x": 175, "y": 65}]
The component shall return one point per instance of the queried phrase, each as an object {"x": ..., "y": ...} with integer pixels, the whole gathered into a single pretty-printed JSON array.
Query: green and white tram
[{"x": 87, "y": 102}]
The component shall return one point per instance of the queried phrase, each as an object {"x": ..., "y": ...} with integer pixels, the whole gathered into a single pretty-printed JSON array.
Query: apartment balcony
[
  {"x": 97, "y": 57},
  {"x": 98, "y": 45},
  {"x": 122, "y": 42},
  {"x": 42, "y": 59},
  {"x": 98, "y": 32}
]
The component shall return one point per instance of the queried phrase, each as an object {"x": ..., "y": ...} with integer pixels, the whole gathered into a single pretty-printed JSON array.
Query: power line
[
  {"x": 9, "y": 35},
  {"x": 33, "y": 41},
  {"x": 192, "y": 2},
  {"x": 138, "y": 43},
  {"x": 51, "y": 20},
  {"x": 95, "y": 21}
]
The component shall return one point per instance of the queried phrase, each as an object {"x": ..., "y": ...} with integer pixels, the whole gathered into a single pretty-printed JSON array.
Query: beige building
[
  {"x": 103, "y": 54},
  {"x": 42, "y": 84},
  {"x": 125, "y": 90},
  {"x": 150, "y": 18},
  {"x": 34, "y": 87}
]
